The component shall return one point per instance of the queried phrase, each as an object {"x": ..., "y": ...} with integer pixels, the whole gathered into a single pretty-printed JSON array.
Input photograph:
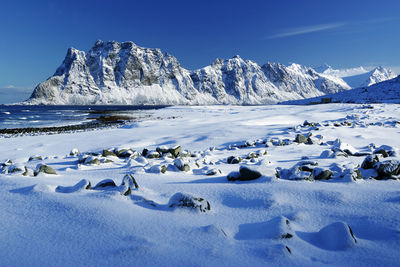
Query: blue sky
[{"x": 35, "y": 35}]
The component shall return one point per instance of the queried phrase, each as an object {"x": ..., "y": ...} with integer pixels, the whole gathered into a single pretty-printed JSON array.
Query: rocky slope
[{"x": 124, "y": 73}]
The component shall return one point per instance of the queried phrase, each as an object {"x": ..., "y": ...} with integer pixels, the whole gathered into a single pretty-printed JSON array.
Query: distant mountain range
[
  {"x": 383, "y": 92},
  {"x": 124, "y": 73}
]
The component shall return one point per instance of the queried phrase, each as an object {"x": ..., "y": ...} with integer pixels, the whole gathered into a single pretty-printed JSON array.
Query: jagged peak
[{"x": 323, "y": 68}]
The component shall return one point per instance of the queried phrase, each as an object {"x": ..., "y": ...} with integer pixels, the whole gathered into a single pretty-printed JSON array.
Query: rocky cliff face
[{"x": 124, "y": 73}]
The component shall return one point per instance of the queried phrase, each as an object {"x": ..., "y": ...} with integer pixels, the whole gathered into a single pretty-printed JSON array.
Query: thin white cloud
[{"x": 305, "y": 30}]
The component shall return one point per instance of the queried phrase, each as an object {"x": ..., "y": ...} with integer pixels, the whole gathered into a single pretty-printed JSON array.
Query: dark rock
[
  {"x": 212, "y": 172},
  {"x": 181, "y": 165},
  {"x": 187, "y": 201},
  {"x": 247, "y": 174},
  {"x": 287, "y": 236},
  {"x": 125, "y": 153},
  {"x": 105, "y": 183},
  {"x": 357, "y": 174},
  {"x": 163, "y": 169},
  {"x": 320, "y": 174},
  {"x": 300, "y": 139},
  {"x": 244, "y": 174},
  {"x": 107, "y": 153},
  {"x": 127, "y": 192},
  {"x": 388, "y": 168},
  {"x": 153, "y": 155},
  {"x": 175, "y": 151},
  {"x": 45, "y": 169},
  {"x": 35, "y": 158},
  {"x": 92, "y": 161},
  {"x": 162, "y": 150},
  {"x": 233, "y": 176},
  {"x": 306, "y": 123},
  {"x": 382, "y": 151},
  {"x": 252, "y": 155},
  {"x": 234, "y": 160},
  {"x": 25, "y": 173},
  {"x": 369, "y": 162}
]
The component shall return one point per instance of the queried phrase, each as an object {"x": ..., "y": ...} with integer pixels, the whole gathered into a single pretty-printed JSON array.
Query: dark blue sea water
[{"x": 44, "y": 116}]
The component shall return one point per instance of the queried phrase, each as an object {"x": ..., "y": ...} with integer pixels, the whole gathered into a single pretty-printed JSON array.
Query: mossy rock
[
  {"x": 175, "y": 151},
  {"x": 163, "y": 169},
  {"x": 301, "y": 139},
  {"x": 35, "y": 158},
  {"x": 234, "y": 160},
  {"x": 45, "y": 169},
  {"x": 107, "y": 153}
]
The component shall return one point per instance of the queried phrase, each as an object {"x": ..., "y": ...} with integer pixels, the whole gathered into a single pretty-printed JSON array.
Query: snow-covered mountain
[
  {"x": 360, "y": 76},
  {"x": 383, "y": 92},
  {"x": 124, "y": 73}
]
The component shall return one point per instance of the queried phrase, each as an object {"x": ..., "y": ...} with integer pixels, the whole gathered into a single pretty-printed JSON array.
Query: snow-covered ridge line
[
  {"x": 383, "y": 92},
  {"x": 124, "y": 73}
]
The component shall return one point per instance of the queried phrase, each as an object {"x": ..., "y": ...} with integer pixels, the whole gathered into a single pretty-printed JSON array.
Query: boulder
[
  {"x": 163, "y": 169},
  {"x": 247, "y": 174},
  {"x": 388, "y": 168},
  {"x": 45, "y": 169},
  {"x": 181, "y": 165},
  {"x": 252, "y": 155},
  {"x": 181, "y": 200},
  {"x": 153, "y": 155},
  {"x": 244, "y": 174},
  {"x": 212, "y": 172},
  {"x": 92, "y": 160},
  {"x": 107, "y": 153},
  {"x": 162, "y": 149},
  {"x": 301, "y": 139},
  {"x": 297, "y": 172},
  {"x": 385, "y": 151},
  {"x": 125, "y": 153},
  {"x": 369, "y": 162},
  {"x": 234, "y": 160},
  {"x": 35, "y": 158},
  {"x": 321, "y": 174},
  {"x": 175, "y": 151},
  {"x": 144, "y": 152}
]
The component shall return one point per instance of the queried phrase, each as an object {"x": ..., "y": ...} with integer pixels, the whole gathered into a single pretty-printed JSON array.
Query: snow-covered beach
[{"x": 295, "y": 219}]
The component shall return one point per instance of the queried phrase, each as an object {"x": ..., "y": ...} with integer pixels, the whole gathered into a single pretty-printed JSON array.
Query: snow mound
[{"x": 335, "y": 236}]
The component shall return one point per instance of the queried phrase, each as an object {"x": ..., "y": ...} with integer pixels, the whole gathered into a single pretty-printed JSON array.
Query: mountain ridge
[{"x": 124, "y": 73}]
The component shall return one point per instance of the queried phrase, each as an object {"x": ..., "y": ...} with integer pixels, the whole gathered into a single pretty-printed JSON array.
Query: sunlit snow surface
[{"x": 42, "y": 226}]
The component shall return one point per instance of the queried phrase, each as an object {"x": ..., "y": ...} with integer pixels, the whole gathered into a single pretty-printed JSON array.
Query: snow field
[{"x": 250, "y": 223}]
